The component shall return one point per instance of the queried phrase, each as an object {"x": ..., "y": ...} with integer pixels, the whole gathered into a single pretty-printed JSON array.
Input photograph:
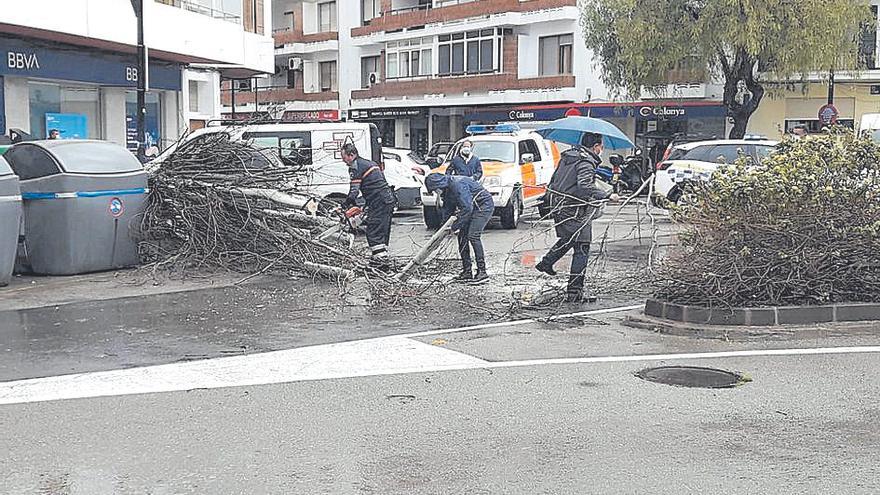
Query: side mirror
[
  {"x": 616, "y": 160},
  {"x": 527, "y": 158}
]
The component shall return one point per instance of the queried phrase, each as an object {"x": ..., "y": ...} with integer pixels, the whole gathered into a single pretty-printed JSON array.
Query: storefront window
[
  {"x": 152, "y": 126},
  {"x": 71, "y": 110}
]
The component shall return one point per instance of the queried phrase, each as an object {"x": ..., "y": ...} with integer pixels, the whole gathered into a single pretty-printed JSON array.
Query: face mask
[{"x": 465, "y": 152}]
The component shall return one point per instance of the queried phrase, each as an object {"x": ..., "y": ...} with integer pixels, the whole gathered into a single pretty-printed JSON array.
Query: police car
[
  {"x": 517, "y": 166},
  {"x": 698, "y": 160}
]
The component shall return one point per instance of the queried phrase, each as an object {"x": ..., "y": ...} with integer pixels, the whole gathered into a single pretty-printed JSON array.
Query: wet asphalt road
[{"x": 804, "y": 424}]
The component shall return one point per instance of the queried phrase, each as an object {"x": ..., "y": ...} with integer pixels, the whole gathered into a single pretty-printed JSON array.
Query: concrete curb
[
  {"x": 751, "y": 333},
  {"x": 764, "y": 317}
]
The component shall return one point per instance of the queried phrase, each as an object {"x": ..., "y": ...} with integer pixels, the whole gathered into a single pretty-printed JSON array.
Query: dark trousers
[
  {"x": 470, "y": 237},
  {"x": 578, "y": 261},
  {"x": 378, "y": 226}
]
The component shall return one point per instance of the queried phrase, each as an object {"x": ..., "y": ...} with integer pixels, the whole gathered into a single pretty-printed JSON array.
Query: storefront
[
  {"x": 83, "y": 93},
  {"x": 405, "y": 128},
  {"x": 651, "y": 125}
]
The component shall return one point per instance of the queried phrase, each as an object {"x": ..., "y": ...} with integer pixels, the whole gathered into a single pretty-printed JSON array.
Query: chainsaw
[{"x": 349, "y": 222}]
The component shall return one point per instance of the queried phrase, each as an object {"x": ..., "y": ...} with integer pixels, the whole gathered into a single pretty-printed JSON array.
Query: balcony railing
[
  {"x": 203, "y": 10},
  {"x": 275, "y": 94},
  {"x": 459, "y": 84}
]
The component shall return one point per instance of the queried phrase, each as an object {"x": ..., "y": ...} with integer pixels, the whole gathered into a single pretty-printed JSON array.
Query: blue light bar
[{"x": 489, "y": 129}]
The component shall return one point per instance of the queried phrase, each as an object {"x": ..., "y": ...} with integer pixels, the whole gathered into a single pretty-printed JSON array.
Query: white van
[{"x": 317, "y": 146}]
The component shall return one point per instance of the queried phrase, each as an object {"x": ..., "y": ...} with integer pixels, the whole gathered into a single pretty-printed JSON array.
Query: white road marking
[
  {"x": 373, "y": 357},
  {"x": 515, "y": 323},
  {"x": 343, "y": 360}
]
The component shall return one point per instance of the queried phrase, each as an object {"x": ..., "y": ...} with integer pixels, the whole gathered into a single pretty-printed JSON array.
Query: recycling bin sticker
[{"x": 116, "y": 207}]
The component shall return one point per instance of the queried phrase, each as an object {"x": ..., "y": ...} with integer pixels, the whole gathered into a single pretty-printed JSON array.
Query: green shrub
[{"x": 801, "y": 228}]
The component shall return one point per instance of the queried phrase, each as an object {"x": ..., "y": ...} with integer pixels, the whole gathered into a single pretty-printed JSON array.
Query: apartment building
[
  {"x": 71, "y": 65},
  {"x": 419, "y": 68}
]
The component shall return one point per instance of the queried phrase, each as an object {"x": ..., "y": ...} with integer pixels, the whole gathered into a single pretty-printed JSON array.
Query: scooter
[{"x": 624, "y": 174}]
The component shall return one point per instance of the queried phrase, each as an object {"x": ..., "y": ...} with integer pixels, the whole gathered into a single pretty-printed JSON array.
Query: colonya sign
[{"x": 661, "y": 112}]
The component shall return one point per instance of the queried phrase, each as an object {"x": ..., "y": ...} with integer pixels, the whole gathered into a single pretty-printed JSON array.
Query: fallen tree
[
  {"x": 215, "y": 203},
  {"x": 801, "y": 228}
]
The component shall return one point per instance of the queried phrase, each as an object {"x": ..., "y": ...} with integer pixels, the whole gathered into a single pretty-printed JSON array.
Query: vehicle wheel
[
  {"x": 510, "y": 214},
  {"x": 433, "y": 217}
]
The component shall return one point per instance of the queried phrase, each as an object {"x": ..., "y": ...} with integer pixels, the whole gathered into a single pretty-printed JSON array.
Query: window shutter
[{"x": 258, "y": 17}]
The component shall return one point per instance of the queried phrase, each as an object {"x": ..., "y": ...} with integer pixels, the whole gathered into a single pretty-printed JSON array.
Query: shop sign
[
  {"x": 72, "y": 63},
  {"x": 311, "y": 115},
  {"x": 387, "y": 113},
  {"x": 828, "y": 114},
  {"x": 662, "y": 112}
]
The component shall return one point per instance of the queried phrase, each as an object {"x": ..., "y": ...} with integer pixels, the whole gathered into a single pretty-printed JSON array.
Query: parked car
[
  {"x": 698, "y": 160},
  {"x": 316, "y": 148},
  {"x": 517, "y": 166},
  {"x": 405, "y": 175},
  {"x": 438, "y": 153}
]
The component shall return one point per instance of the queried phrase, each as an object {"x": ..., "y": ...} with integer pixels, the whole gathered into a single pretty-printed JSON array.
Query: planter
[{"x": 772, "y": 316}]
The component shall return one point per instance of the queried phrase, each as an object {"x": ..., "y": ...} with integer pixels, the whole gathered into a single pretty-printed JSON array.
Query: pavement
[{"x": 277, "y": 386}]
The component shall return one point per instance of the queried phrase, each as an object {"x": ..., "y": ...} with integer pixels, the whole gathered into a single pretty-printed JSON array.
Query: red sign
[
  {"x": 311, "y": 115},
  {"x": 573, "y": 112},
  {"x": 828, "y": 114}
]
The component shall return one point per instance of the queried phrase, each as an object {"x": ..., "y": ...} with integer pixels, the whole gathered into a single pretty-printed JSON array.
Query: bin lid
[
  {"x": 91, "y": 157},
  {"x": 5, "y": 169}
]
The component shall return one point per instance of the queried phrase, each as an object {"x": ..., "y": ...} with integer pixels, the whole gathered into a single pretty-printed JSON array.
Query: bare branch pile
[
  {"x": 801, "y": 228},
  {"x": 215, "y": 203}
]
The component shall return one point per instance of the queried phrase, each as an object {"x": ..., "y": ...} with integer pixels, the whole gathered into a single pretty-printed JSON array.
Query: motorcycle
[{"x": 625, "y": 175}]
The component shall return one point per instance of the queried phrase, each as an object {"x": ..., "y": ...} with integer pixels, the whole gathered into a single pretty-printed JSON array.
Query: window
[
  {"x": 728, "y": 153},
  {"x": 529, "y": 146},
  {"x": 371, "y": 10},
  {"x": 494, "y": 151},
  {"x": 193, "y": 96},
  {"x": 328, "y": 76},
  {"x": 369, "y": 65},
  {"x": 73, "y": 110},
  {"x": 411, "y": 58},
  {"x": 469, "y": 53},
  {"x": 327, "y": 17},
  {"x": 294, "y": 147},
  {"x": 555, "y": 53}
]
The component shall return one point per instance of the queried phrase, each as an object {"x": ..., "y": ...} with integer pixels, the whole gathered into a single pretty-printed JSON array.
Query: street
[{"x": 282, "y": 387}]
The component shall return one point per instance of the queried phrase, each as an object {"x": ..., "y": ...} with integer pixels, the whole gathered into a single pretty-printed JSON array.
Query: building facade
[
  {"x": 72, "y": 65},
  {"x": 422, "y": 70},
  {"x": 855, "y": 95}
]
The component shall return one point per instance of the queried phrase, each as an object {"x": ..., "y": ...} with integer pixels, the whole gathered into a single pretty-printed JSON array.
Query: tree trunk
[{"x": 741, "y": 69}]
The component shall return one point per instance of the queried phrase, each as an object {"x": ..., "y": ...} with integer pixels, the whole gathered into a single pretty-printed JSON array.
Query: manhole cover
[{"x": 691, "y": 376}]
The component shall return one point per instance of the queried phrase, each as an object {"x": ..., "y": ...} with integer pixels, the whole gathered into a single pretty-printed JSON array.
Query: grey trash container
[
  {"x": 10, "y": 220},
  {"x": 81, "y": 199}
]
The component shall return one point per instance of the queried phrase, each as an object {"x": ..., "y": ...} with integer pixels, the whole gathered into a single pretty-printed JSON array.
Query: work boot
[
  {"x": 481, "y": 276},
  {"x": 544, "y": 267},
  {"x": 580, "y": 297},
  {"x": 465, "y": 276}
]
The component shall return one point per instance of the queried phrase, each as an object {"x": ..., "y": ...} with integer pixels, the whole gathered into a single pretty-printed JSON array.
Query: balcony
[
  {"x": 277, "y": 94},
  {"x": 422, "y": 15},
  {"x": 202, "y": 9},
  {"x": 461, "y": 84},
  {"x": 289, "y": 36}
]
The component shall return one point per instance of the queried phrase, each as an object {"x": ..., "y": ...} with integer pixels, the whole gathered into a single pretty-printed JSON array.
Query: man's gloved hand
[{"x": 614, "y": 198}]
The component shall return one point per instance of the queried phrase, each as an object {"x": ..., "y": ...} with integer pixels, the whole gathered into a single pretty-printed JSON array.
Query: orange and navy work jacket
[{"x": 369, "y": 180}]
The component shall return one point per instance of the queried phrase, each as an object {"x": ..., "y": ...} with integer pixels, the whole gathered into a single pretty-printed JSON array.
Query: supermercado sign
[{"x": 73, "y": 63}]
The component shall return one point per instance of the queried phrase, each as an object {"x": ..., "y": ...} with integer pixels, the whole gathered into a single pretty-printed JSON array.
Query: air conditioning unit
[
  {"x": 279, "y": 70},
  {"x": 242, "y": 84},
  {"x": 374, "y": 78},
  {"x": 294, "y": 63}
]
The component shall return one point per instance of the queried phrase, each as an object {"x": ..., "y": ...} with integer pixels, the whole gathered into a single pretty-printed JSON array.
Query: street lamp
[{"x": 142, "y": 80}]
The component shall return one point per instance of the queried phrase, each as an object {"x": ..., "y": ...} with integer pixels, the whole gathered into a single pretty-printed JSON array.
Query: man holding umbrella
[{"x": 574, "y": 199}]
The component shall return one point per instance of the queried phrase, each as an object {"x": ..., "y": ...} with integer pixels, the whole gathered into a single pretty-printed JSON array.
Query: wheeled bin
[
  {"x": 81, "y": 200},
  {"x": 10, "y": 220}
]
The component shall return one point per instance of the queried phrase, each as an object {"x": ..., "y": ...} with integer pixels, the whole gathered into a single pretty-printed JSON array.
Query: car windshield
[
  {"x": 763, "y": 151},
  {"x": 495, "y": 151}
]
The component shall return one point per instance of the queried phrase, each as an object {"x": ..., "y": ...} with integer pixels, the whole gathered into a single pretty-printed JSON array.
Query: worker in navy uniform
[
  {"x": 573, "y": 197},
  {"x": 367, "y": 179},
  {"x": 473, "y": 205},
  {"x": 465, "y": 163}
]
